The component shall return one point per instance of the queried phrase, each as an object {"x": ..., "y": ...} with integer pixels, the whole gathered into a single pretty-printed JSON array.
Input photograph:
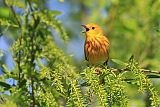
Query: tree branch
[
  {"x": 14, "y": 13},
  {"x": 20, "y": 42},
  {"x": 32, "y": 35},
  {"x": 30, "y": 6},
  {"x": 146, "y": 71}
]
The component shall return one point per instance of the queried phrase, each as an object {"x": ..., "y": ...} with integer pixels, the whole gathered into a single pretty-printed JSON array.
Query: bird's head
[{"x": 92, "y": 30}]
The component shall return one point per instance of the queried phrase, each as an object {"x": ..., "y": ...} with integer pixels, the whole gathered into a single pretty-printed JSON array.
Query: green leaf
[
  {"x": 4, "y": 12},
  {"x": 52, "y": 13},
  {"x": 39, "y": 62},
  {"x": 55, "y": 12},
  {"x": 119, "y": 62},
  {"x": 16, "y": 3},
  {"x": 5, "y": 67},
  {"x": 153, "y": 76},
  {"x": 1, "y": 53},
  {"x": 8, "y": 23},
  {"x": 3, "y": 84}
]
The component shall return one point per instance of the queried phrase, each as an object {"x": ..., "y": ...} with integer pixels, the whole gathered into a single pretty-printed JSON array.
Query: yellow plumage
[{"x": 96, "y": 47}]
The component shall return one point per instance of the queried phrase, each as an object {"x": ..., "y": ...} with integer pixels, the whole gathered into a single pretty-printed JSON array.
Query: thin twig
[
  {"x": 20, "y": 43},
  {"x": 14, "y": 13},
  {"x": 20, "y": 40},
  {"x": 30, "y": 6},
  {"x": 150, "y": 71},
  {"x": 143, "y": 70}
]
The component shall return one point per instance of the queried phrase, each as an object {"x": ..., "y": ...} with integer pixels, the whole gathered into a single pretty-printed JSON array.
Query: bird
[{"x": 97, "y": 45}]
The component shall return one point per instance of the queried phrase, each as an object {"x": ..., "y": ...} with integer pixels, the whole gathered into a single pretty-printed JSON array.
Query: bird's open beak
[{"x": 85, "y": 28}]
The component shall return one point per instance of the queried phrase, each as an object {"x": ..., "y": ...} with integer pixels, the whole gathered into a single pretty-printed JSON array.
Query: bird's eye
[{"x": 93, "y": 28}]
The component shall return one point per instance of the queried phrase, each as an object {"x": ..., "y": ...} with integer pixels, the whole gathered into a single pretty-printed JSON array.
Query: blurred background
[{"x": 132, "y": 26}]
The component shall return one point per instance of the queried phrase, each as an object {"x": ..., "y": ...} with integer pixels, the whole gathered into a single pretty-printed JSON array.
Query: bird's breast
[{"x": 97, "y": 49}]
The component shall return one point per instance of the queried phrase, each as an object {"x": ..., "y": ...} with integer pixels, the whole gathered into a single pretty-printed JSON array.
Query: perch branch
[{"x": 146, "y": 71}]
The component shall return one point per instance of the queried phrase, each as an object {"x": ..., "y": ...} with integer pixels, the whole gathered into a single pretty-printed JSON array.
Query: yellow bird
[{"x": 96, "y": 47}]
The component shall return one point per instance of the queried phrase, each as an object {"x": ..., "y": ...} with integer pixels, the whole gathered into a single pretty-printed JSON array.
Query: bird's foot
[{"x": 98, "y": 71}]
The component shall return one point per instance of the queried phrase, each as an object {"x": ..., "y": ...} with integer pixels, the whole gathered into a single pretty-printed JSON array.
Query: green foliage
[
  {"x": 17, "y": 3},
  {"x": 113, "y": 90},
  {"x": 96, "y": 89},
  {"x": 8, "y": 104},
  {"x": 75, "y": 96},
  {"x": 46, "y": 17},
  {"x": 45, "y": 76},
  {"x": 143, "y": 82},
  {"x": 116, "y": 90}
]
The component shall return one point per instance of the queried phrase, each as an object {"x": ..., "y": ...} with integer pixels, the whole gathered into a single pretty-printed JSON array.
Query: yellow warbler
[{"x": 96, "y": 47}]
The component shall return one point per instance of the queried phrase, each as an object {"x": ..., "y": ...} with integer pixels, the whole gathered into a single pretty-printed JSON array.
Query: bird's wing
[
  {"x": 85, "y": 53},
  {"x": 107, "y": 49}
]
